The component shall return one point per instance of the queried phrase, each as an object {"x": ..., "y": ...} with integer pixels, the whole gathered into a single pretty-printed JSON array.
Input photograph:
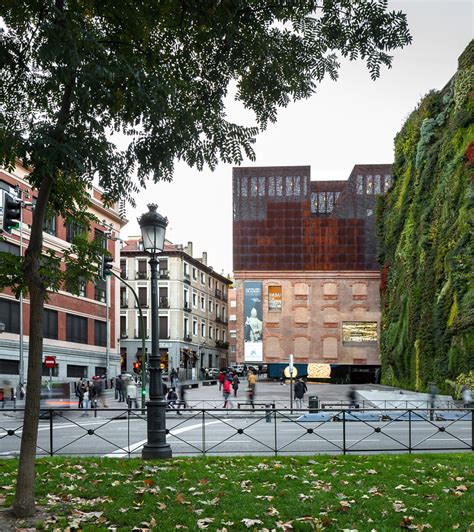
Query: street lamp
[{"x": 153, "y": 228}]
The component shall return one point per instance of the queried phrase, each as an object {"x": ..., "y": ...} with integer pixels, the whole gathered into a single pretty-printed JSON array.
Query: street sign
[
  {"x": 50, "y": 362},
  {"x": 289, "y": 373}
]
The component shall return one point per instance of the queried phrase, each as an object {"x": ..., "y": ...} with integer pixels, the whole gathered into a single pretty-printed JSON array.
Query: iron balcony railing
[{"x": 262, "y": 430}]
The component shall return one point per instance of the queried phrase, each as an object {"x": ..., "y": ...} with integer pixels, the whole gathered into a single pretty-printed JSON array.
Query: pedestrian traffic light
[
  {"x": 106, "y": 265},
  {"x": 136, "y": 367},
  {"x": 11, "y": 212}
]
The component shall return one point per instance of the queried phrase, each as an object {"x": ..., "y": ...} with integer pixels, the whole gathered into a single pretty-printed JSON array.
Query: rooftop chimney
[
  {"x": 189, "y": 249},
  {"x": 204, "y": 258}
]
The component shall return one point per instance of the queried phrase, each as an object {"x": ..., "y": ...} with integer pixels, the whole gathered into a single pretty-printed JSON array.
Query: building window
[
  {"x": 76, "y": 372},
  {"x": 337, "y": 197},
  {"x": 195, "y": 300},
  {"x": 203, "y": 303},
  {"x": 7, "y": 247},
  {"x": 100, "y": 290},
  {"x": 253, "y": 186},
  {"x": 45, "y": 372},
  {"x": 123, "y": 297},
  {"x": 360, "y": 184},
  {"x": 142, "y": 329},
  {"x": 50, "y": 324},
  {"x": 223, "y": 336},
  {"x": 330, "y": 200},
  {"x": 203, "y": 278},
  {"x": 186, "y": 326},
  {"x": 377, "y": 186},
  {"x": 279, "y": 186},
  {"x": 100, "y": 371},
  {"x": 314, "y": 203},
  {"x": 194, "y": 274},
  {"x": 271, "y": 186},
  {"x": 142, "y": 296},
  {"x": 210, "y": 305},
  {"x": 50, "y": 225},
  {"x": 210, "y": 332},
  {"x": 289, "y": 186},
  {"x": 387, "y": 182},
  {"x": 359, "y": 332},
  {"x": 76, "y": 329},
  {"x": 123, "y": 269},
  {"x": 186, "y": 269},
  {"x": 261, "y": 186},
  {"x": 195, "y": 328},
  {"x": 370, "y": 185},
  {"x": 123, "y": 327},
  {"x": 203, "y": 329},
  {"x": 370, "y": 212},
  {"x": 73, "y": 230},
  {"x": 10, "y": 315},
  {"x": 141, "y": 270},
  {"x": 244, "y": 186},
  {"x": 186, "y": 298},
  {"x": 9, "y": 367},
  {"x": 297, "y": 186},
  {"x": 99, "y": 238},
  {"x": 321, "y": 202},
  {"x": 164, "y": 328},
  {"x": 100, "y": 333}
]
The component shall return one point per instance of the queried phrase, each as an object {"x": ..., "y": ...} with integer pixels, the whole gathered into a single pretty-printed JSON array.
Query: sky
[{"x": 351, "y": 121}]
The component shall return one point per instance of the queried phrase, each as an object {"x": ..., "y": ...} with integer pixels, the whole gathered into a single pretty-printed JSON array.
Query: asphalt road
[{"x": 116, "y": 434}]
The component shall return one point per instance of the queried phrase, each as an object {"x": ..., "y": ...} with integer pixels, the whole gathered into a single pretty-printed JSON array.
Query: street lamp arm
[{"x": 142, "y": 321}]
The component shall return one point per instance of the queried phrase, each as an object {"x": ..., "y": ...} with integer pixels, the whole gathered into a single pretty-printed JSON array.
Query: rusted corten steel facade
[{"x": 290, "y": 231}]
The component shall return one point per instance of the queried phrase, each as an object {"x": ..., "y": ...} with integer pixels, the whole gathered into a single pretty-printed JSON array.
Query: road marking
[{"x": 120, "y": 453}]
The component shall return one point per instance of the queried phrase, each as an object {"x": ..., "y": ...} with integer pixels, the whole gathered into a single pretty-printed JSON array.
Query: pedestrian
[
  {"x": 252, "y": 379},
  {"x": 119, "y": 386},
  {"x": 227, "y": 387},
  {"x": 132, "y": 394},
  {"x": 466, "y": 396},
  {"x": 174, "y": 378},
  {"x": 251, "y": 397},
  {"x": 352, "y": 396},
  {"x": 171, "y": 398},
  {"x": 221, "y": 379},
  {"x": 300, "y": 390},
  {"x": 92, "y": 394},
  {"x": 100, "y": 389},
  {"x": 80, "y": 393},
  {"x": 260, "y": 371},
  {"x": 282, "y": 377},
  {"x": 206, "y": 373},
  {"x": 235, "y": 384},
  {"x": 86, "y": 402},
  {"x": 182, "y": 399},
  {"x": 432, "y": 392},
  {"x": 245, "y": 369}
]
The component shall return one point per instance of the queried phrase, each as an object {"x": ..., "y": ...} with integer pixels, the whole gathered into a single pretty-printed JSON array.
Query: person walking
[
  {"x": 86, "y": 402},
  {"x": 132, "y": 394},
  {"x": 171, "y": 398},
  {"x": 433, "y": 392},
  {"x": 227, "y": 387},
  {"x": 120, "y": 387},
  {"x": 221, "y": 379},
  {"x": 182, "y": 399},
  {"x": 92, "y": 394},
  {"x": 466, "y": 396},
  {"x": 174, "y": 378},
  {"x": 80, "y": 393},
  {"x": 252, "y": 379},
  {"x": 235, "y": 384},
  {"x": 251, "y": 397},
  {"x": 300, "y": 390},
  {"x": 352, "y": 396}
]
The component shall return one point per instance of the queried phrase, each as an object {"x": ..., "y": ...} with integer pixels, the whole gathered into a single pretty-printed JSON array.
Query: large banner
[{"x": 253, "y": 322}]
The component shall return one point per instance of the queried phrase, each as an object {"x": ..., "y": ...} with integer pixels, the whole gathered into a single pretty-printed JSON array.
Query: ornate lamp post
[{"x": 153, "y": 228}]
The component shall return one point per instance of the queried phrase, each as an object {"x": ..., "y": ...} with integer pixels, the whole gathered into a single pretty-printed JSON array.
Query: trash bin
[{"x": 313, "y": 404}]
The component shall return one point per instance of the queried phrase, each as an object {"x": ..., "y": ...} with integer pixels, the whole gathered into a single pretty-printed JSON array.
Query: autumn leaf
[
  {"x": 272, "y": 511},
  {"x": 250, "y": 522},
  {"x": 204, "y": 523}
]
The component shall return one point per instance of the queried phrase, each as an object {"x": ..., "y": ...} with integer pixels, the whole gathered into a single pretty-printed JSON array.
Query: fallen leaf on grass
[
  {"x": 204, "y": 523},
  {"x": 399, "y": 506},
  {"x": 272, "y": 511},
  {"x": 250, "y": 522},
  {"x": 462, "y": 487},
  {"x": 371, "y": 472},
  {"x": 285, "y": 526},
  {"x": 161, "y": 506},
  {"x": 265, "y": 497}
]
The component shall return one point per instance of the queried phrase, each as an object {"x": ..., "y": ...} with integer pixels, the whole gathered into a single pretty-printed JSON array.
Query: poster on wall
[
  {"x": 274, "y": 298},
  {"x": 253, "y": 321}
]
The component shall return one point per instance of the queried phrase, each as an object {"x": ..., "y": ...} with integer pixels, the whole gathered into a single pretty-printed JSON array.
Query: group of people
[
  {"x": 89, "y": 394},
  {"x": 229, "y": 381}
]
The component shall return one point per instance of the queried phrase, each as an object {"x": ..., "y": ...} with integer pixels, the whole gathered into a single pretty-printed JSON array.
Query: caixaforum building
[{"x": 306, "y": 273}]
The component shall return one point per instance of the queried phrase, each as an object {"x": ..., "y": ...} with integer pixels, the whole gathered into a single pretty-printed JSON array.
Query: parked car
[
  {"x": 238, "y": 369},
  {"x": 213, "y": 373}
]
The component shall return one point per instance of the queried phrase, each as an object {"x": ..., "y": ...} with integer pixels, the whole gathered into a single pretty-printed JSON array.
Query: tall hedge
[{"x": 426, "y": 240}]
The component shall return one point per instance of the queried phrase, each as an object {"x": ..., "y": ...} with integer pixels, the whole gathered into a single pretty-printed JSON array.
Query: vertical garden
[{"x": 426, "y": 241}]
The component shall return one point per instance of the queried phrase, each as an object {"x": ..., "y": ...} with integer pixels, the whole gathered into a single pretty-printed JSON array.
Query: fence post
[
  {"x": 51, "y": 414},
  {"x": 472, "y": 427},
  {"x": 276, "y": 434},
  {"x": 203, "y": 432},
  {"x": 344, "y": 432},
  {"x": 409, "y": 431},
  {"x": 128, "y": 434}
]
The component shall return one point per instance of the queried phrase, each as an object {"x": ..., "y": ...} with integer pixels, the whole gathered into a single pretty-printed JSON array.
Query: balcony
[
  {"x": 224, "y": 296},
  {"x": 123, "y": 335},
  {"x": 218, "y": 293},
  {"x": 138, "y": 334},
  {"x": 187, "y": 278},
  {"x": 164, "y": 274},
  {"x": 141, "y": 275},
  {"x": 187, "y": 307},
  {"x": 123, "y": 274},
  {"x": 187, "y": 338},
  {"x": 124, "y": 303},
  {"x": 164, "y": 302},
  {"x": 143, "y": 304},
  {"x": 218, "y": 319},
  {"x": 222, "y": 345}
]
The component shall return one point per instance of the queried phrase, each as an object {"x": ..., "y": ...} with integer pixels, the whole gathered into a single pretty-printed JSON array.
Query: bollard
[{"x": 268, "y": 413}]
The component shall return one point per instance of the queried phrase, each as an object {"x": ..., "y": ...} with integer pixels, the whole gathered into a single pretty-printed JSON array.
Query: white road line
[{"x": 136, "y": 446}]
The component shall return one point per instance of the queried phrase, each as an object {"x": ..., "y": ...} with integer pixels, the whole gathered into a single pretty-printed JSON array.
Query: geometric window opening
[
  {"x": 370, "y": 185},
  {"x": 360, "y": 184}
]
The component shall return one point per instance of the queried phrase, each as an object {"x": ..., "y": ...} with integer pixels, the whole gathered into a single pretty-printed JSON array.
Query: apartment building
[
  {"x": 193, "y": 302},
  {"x": 306, "y": 272},
  {"x": 75, "y": 326}
]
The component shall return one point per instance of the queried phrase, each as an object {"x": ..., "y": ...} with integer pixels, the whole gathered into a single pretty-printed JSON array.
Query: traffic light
[
  {"x": 11, "y": 212},
  {"x": 106, "y": 265},
  {"x": 137, "y": 366}
]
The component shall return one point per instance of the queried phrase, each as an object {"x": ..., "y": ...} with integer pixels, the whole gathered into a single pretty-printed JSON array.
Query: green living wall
[{"x": 426, "y": 241}]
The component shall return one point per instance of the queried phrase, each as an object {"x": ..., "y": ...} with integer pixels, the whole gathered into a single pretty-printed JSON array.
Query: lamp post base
[{"x": 156, "y": 452}]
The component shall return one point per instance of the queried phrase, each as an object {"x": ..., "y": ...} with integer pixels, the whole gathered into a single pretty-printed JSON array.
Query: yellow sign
[
  {"x": 287, "y": 372},
  {"x": 319, "y": 371}
]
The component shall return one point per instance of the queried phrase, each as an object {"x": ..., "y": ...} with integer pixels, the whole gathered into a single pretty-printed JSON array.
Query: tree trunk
[{"x": 24, "y": 505}]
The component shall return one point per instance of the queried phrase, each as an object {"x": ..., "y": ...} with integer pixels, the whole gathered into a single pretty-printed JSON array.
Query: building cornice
[{"x": 302, "y": 274}]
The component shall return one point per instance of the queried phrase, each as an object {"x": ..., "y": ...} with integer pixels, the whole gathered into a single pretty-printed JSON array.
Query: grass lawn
[{"x": 383, "y": 492}]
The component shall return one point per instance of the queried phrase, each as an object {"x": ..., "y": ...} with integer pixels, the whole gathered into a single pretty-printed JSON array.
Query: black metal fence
[{"x": 244, "y": 431}]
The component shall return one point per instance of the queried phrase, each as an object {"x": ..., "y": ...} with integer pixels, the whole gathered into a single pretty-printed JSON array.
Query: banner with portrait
[{"x": 253, "y": 321}]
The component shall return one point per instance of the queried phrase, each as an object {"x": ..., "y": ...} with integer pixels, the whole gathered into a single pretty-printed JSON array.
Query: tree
[{"x": 76, "y": 73}]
